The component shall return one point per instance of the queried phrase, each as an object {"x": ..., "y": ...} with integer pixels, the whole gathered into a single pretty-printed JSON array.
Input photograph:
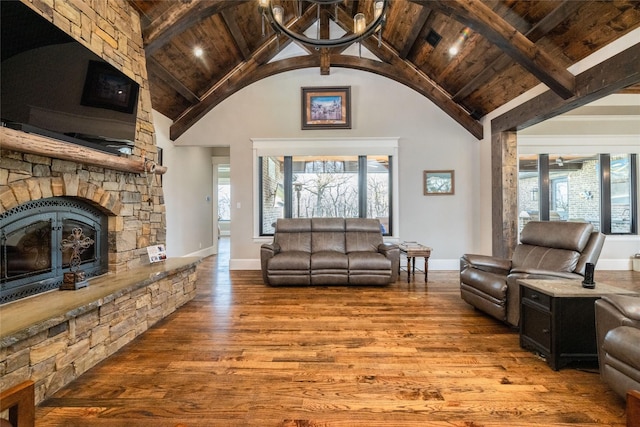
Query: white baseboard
[
  {"x": 614, "y": 264},
  {"x": 244, "y": 264},
  {"x": 202, "y": 252},
  {"x": 440, "y": 264}
]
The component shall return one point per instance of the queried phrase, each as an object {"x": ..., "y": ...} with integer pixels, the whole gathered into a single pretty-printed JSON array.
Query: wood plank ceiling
[{"x": 508, "y": 47}]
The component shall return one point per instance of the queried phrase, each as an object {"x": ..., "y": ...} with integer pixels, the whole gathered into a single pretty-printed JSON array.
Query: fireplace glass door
[{"x": 32, "y": 259}]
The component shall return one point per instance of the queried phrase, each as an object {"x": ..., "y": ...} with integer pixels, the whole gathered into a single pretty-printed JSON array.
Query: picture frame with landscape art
[
  {"x": 326, "y": 107},
  {"x": 438, "y": 182}
]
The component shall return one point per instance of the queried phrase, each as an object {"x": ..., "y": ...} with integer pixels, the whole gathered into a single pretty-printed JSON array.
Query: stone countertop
[
  {"x": 28, "y": 316},
  {"x": 573, "y": 288}
]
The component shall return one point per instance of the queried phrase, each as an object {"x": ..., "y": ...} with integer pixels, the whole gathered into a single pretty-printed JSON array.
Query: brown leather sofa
[
  {"x": 547, "y": 250},
  {"x": 618, "y": 338},
  {"x": 329, "y": 251}
]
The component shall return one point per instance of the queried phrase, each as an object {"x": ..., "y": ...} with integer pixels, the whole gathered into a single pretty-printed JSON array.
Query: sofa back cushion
[
  {"x": 572, "y": 236},
  {"x": 363, "y": 234},
  {"x": 293, "y": 234},
  {"x": 327, "y": 234},
  {"x": 543, "y": 258}
]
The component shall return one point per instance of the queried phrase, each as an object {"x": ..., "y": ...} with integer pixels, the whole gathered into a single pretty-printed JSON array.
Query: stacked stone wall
[{"x": 134, "y": 202}]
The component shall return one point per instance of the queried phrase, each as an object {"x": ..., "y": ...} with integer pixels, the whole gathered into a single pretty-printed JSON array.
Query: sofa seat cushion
[
  {"x": 367, "y": 261},
  {"x": 491, "y": 284},
  {"x": 621, "y": 343},
  {"x": 544, "y": 258},
  {"x": 292, "y": 261},
  {"x": 329, "y": 260}
]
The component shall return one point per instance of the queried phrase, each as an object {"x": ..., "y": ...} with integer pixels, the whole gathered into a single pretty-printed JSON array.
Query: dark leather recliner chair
[
  {"x": 547, "y": 250},
  {"x": 618, "y": 338}
]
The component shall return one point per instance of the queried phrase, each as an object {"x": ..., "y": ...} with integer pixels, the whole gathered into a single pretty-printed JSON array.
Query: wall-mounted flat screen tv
[{"x": 54, "y": 86}]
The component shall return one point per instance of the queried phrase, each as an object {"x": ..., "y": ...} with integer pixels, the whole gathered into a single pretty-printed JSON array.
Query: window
[
  {"x": 324, "y": 186},
  {"x": 334, "y": 177},
  {"x": 596, "y": 188},
  {"x": 622, "y": 190}
]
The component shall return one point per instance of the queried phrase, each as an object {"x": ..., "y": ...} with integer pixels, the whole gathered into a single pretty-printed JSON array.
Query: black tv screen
[{"x": 54, "y": 86}]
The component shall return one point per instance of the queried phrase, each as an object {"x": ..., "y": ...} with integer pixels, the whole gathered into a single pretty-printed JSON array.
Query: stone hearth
[{"x": 54, "y": 337}]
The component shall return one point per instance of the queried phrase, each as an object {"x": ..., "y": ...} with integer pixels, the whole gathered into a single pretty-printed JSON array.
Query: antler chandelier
[{"x": 274, "y": 14}]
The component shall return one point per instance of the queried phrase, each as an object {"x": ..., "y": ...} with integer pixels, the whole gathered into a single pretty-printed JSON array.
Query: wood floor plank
[{"x": 406, "y": 355}]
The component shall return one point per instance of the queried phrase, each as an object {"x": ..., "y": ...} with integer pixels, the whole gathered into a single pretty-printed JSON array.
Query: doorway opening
[{"x": 224, "y": 201}]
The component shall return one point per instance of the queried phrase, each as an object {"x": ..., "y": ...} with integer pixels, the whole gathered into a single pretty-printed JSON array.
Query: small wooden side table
[{"x": 412, "y": 250}]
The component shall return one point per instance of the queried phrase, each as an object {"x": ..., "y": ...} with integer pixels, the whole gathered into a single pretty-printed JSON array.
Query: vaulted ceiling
[{"x": 508, "y": 47}]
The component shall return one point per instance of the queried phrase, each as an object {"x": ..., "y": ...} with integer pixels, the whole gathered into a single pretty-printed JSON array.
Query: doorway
[{"x": 221, "y": 201}]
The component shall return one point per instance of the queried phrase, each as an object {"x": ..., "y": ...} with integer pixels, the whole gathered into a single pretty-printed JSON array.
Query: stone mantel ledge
[{"x": 27, "y": 317}]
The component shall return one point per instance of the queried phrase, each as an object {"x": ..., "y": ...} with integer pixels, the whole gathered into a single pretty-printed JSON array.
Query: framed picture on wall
[
  {"x": 438, "y": 183},
  {"x": 326, "y": 107}
]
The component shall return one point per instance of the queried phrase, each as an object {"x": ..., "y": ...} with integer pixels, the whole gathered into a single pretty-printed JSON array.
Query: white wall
[
  {"x": 429, "y": 139},
  {"x": 187, "y": 184}
]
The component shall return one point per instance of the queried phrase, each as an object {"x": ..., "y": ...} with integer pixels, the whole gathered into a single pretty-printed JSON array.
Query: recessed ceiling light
[
  {"x": 198, "y": 52},
  {"x": 453, "y": 50}
]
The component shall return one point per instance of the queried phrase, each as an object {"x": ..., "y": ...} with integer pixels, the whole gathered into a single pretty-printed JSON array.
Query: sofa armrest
[
  {"x": 627, "y": 305},
  {"x": 539, "y": 274},
  {"x": 385, "y": 247},
  {"x": 274, "y": 248},
  {"x": 392, "y": 252},
  {"x": 267, "y": 251},
  {"x": 486, "y": 263}
]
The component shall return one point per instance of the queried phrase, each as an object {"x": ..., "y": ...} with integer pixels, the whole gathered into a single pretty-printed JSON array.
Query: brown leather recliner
[
  {"x": 547, "y": 250},
  {"x": 618, "y": 338}
]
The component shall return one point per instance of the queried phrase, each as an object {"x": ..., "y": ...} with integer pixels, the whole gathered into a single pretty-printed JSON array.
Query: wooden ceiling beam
[
  {"x": 325, "y": 56},
  {"x": 416, "y": 29},
  {"x": 236, "y": 34},
  {"x": 250, "y": 72},
  {"x": 253, "y": 73},
  {"x": 606, "y": 78},
  {"x": 490, "y": 25},
  {"x": 535, "y": 33},
  {"x": 403, "y": 71},
  {"x": 156, "y": 68},
  {"x": 241, "y": 73},
  {"x": 180, "y": 17}
]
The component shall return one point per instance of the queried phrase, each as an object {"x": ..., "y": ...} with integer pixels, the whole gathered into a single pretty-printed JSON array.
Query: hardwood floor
[{"x": 244, "y": 354}]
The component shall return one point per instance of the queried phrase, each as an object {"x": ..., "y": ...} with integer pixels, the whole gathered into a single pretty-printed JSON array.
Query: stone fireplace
[
  {"x": 55, "y": 336},
  {"x": 130, "y": 201}
]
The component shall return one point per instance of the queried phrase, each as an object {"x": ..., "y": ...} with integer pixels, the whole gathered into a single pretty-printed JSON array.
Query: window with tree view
[
  {"x": 324, "y": 186},
  {"x": 596, "y": 188}
]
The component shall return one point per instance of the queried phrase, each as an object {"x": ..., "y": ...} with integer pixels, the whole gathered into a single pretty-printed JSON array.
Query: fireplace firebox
[{"x": 31, "y": 259}]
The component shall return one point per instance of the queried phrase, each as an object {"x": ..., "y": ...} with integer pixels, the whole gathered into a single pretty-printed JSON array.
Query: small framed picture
[
  {"x": 438, "y": 183},
  {"x": 326, "y": 107}
]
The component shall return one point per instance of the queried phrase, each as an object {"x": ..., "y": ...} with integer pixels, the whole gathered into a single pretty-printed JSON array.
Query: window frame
[{"x": 263, "y": 147}]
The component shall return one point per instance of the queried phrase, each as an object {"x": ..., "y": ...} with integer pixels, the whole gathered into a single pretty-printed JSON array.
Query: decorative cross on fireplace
[{"x": 77, "y": 243}]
